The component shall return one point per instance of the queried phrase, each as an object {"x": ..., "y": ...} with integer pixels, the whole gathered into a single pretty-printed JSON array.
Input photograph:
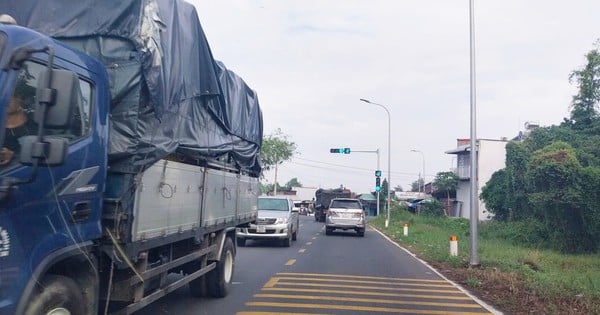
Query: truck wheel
[
  {"x": 295, "y": 235},
  {"x": 241, "y": 242},
  {"x": 57, "y": 295},
  {"x": 219, "y": 279},
  {"x": 328, "y": 231}
]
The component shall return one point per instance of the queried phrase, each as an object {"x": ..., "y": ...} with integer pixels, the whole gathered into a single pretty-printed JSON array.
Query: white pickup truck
[{"x": 277, "y": 219}]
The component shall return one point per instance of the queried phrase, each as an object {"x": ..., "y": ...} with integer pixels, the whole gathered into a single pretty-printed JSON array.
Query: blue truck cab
[{"x": 49, "y": 210}]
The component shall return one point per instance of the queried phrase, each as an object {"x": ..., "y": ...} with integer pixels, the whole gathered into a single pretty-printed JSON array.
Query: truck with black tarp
[
  {"x": 323, "y": 199},
  {"x": 128, "y": 153}
]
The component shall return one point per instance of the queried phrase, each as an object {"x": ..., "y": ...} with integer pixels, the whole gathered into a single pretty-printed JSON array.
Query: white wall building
[
  {"x": 304, "y": 193},
  {"x": 491, "y": 156}
]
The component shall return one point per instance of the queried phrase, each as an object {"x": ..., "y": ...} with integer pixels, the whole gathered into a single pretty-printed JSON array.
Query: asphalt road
[{"x": 319, "y": 274}]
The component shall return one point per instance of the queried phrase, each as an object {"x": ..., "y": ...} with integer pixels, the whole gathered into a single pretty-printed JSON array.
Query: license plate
[{"x": 260, "y": 229}]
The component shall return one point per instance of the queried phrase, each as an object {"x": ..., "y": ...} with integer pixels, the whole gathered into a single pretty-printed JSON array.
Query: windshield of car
[
  {"x": 272, "y": 204},
  {"x": 346, "y": 204}
]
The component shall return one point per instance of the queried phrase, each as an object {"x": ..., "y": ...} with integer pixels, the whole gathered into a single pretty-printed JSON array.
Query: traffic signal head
[
  {"x": 377, "y": 173},
  {"x": 377, "y": 183},
  {"x": 340, "y": 150}
]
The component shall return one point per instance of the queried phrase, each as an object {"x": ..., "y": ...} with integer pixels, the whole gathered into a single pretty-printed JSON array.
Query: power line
[{"x": 346, "y": 166}]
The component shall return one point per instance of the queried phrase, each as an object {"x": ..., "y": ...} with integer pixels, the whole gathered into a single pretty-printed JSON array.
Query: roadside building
[{"x": 491, "y": 155}]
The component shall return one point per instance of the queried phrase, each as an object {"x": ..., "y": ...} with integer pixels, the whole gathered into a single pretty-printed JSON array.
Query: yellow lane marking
[
  {"x": 382, "y": 294},
  {"x": 271, "y": 283},
  {"x": 290, "y": 262},
  {"x": 325, "y": 275},
  {"x": 308, "y": 243},
  {"x": 364, "y": 287},
  {"x": 275, "y": 313},
  {"x": 301, "y": 250},
  {"x": 314, "y": 238},
  {"x": 439, "y": 285},
  {"x": 356, "y": 299},
  {"x": 360, "y": 308}
]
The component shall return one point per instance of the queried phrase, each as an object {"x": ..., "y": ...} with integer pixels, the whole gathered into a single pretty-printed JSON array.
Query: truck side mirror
[
  {"x": 60, "y": 97},
  {"x": 57, "y": 96},
  {"x": 51, "y": 151}
]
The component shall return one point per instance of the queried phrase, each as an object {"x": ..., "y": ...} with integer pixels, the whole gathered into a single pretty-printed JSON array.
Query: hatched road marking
[{"x": 287, "y": 292}]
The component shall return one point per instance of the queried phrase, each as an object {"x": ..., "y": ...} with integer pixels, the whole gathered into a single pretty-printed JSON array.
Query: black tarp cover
[{"x": 168, "y": 94}]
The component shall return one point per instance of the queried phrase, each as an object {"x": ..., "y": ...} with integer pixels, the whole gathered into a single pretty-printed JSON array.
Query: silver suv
[
  {"x": 277, "y": 219},
  {"x": 345, "y": 214}
]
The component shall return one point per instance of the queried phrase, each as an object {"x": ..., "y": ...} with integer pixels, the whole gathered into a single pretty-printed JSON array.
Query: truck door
[{"x": 59, "y": 207}]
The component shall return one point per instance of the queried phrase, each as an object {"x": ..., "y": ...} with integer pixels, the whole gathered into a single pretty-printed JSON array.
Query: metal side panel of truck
[
  {"x": 168, "y": 200},
  {"x": 170, "y": 195}
]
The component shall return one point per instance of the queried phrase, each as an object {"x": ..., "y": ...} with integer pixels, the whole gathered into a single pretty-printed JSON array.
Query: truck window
[{"x": 21, "y": 110}]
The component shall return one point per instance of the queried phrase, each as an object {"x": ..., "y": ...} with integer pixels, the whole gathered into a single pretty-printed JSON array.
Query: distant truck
[
  {"x": 323, "y": 198},
  {"x": 140, "y": 159}
]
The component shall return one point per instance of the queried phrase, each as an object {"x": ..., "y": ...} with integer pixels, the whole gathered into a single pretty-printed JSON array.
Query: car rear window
[
  {"x": 347, "y": 204},
  {"x": 272, "y": 204}
]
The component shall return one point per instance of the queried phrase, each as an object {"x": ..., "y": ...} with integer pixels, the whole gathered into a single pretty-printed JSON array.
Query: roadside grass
[{"x": 516, "y": 279}]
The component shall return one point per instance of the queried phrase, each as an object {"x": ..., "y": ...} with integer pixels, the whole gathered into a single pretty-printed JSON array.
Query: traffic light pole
[{"x": 378, "y": 191}]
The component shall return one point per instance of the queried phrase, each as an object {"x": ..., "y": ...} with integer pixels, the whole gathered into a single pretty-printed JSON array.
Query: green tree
[
  {"x": 517, "y": 161},
  {"x": 417, "y": 185},
  {"x": 583, "y": 108},
  {"x": 293, "y": 183},
  {"x": 275, "y": 150},
  {"x": 554, "y": 176},
  {"x": 495, "y": 196},
  {"x": 446, "y": 181}
]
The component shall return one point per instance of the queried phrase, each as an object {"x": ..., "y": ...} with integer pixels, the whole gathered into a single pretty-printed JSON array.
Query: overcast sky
[{"x": 311, "y": 61}]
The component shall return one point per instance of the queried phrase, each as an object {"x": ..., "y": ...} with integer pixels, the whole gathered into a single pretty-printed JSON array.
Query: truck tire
[
  {"x": 219, "y": 279},
  {"x": 241, "y": 242},
  {"x": 57, "y": 295}
]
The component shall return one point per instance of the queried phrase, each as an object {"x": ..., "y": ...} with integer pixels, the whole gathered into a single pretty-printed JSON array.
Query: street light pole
[
  {"x": 423, "y": 159},
  {"x": 474, "y": 217},
  {"x": 387, "y": 220}
]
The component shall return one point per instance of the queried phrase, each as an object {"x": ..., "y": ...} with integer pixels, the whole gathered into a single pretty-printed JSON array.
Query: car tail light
[{"x": 332, "y": 213}]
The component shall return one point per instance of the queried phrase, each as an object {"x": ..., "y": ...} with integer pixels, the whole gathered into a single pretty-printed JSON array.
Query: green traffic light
[
  {"x": 346, "y": 150},
  {"x": 377, "y": 173}
]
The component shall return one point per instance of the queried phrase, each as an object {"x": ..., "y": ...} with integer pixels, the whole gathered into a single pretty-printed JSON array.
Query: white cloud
[{"x": 311, "y": 61}]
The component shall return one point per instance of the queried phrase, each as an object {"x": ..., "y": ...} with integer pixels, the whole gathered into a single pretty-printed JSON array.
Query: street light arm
[{"x": 386, "y": 110}]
